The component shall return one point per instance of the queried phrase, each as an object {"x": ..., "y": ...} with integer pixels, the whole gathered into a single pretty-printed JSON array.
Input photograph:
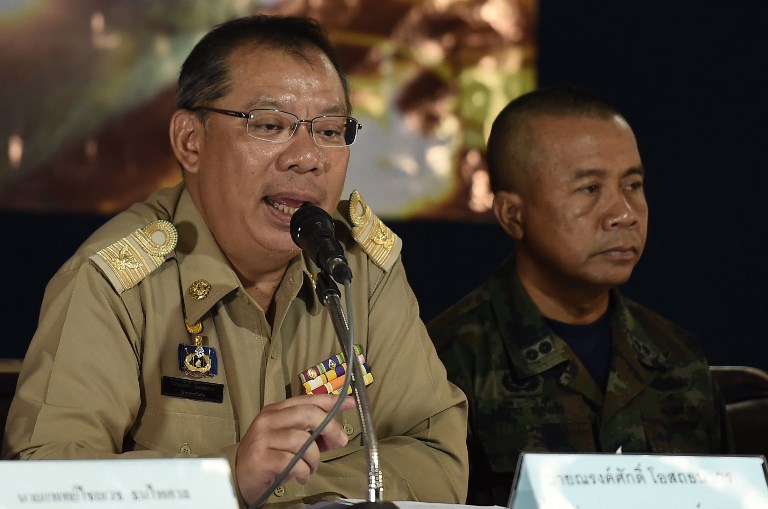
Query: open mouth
[{"x": 284, "y": 205}]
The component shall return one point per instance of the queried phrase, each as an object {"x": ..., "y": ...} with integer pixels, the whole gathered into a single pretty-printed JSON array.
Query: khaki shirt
[{"x": 90, "y": 386}]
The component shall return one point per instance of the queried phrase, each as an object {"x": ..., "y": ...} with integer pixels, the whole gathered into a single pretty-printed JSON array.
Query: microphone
[
  {"x": 313, "y": 231},
  {"x": 329, "y": 295}
]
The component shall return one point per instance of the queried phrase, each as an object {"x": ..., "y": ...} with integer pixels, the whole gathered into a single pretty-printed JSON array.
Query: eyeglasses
[{"x": 279, "y": 126}]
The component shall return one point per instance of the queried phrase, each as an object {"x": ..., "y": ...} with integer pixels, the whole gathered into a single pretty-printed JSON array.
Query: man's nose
[
  {"x": 302, "y": 153},
  {"x": 620, "y": 214}
]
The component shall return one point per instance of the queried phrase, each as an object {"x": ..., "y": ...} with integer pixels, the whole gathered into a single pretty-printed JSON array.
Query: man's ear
[
  {"x": 508, "y": 209},
  {"x": 187, "y": 135}
]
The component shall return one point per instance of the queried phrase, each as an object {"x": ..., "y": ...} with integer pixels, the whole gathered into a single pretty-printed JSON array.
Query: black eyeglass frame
[{"x": 348, "y": 133}]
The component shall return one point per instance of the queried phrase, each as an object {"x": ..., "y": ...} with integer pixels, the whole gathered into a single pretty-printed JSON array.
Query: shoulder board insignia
[
  {"x": 379, "y": 242},
  {"x": 129, "y": 260}
]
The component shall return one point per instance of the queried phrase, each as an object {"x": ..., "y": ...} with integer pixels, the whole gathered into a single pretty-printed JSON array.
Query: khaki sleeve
[
  {"x": 421, "y": 416},
  {"x": 78, "y": 391}
]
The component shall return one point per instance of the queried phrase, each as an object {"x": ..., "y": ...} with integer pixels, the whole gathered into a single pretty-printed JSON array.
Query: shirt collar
[
  {"x": 201, "y": 262},
  {"x": 530, "y": 345},
  {"x": 533, "y": 348},
  {"x": 300, "y": 281},
  {"x": 203, "y": 265},
  {"x": 646, "y": 351}
]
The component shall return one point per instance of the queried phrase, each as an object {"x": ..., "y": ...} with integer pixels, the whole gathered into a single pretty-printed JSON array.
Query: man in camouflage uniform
[
  {"x": 550, "y": 355},
  {"x": 189, "y": 324}
]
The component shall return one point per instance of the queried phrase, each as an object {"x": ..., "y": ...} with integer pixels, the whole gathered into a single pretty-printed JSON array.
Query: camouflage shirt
[{"x": 529, "y": 392}]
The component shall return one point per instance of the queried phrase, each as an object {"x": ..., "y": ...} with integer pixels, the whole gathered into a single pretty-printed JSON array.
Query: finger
[
  {"x": 285, "y": 428},
  {"x": 303, "y": 414},
  {"x": 311, "y": 456},
  {"x": 290, "y": 440},
  {"x": 285, "y": 445},
  {"x": 278, "y": 432},
  {"x": 331, "y": 437},
  {"x": 289, "y": 443},
  {"x": 303, "y": 469},
  {"x": 322, "y": 401}
]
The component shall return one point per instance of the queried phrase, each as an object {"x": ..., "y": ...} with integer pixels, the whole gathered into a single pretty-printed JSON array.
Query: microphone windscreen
[
  {"x": 313, "y": 231},
  {"x": 307, "y": 221}
]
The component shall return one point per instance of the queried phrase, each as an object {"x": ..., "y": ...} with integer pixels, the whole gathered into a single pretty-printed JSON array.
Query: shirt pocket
[
  {"x": 678, "y": 422},
  {"x": 533, "y": 424},
  {"x": 184, "y": 434}
]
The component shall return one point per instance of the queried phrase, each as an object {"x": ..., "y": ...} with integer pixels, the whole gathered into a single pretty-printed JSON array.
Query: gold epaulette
[
  {"x": 129, "y": 260},
  {"x": 379, "y": 242}
]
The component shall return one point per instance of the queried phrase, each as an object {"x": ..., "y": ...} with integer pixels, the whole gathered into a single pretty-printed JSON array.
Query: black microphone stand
[{"x": 329, "y": 295}]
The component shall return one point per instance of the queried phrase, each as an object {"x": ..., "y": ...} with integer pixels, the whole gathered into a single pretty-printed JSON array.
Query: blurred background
[
  {"x": 90, "y": 88},
  {"x": 87, "y": 89}
]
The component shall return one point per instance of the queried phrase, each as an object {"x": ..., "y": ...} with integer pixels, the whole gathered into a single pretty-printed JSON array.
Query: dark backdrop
[{"x": 689, "y": 77}]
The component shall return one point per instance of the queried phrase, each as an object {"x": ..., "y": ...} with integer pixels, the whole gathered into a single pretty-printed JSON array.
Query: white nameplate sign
[
  {"x": 639, "y": 481},
  {"x": 117, "y": 484}
]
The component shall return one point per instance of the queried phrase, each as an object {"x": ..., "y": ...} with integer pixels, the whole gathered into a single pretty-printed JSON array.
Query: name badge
[
  {"x": 192, "y": 389},
  {"x": 638, "y": 481},
  {"x": 117, "y": 484}
]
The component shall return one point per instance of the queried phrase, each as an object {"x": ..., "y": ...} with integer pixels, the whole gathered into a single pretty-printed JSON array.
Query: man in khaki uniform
[{"x": 180, "y": 328}]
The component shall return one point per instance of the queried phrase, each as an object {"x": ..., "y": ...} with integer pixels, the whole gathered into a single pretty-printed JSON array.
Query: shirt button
[
  {"x": 545, "y": 347},
  {"x": 279, "y": 491},
  {"x": 531, "y": 354},
  {"x": 348, "y": 429},
  {"x": 185, "y": 449}
]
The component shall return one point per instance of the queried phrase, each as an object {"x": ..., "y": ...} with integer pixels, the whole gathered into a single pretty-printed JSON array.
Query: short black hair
[
  {"x": 511, "y": 128},
  {"x": 204, "y": 76}
]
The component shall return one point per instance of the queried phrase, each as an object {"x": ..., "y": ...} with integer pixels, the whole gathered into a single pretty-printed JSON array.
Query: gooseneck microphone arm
[
  {"x": 330, "y": 296},
  {"x": 312, "y": 230},
  {"x": 315, "y": 434}
]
